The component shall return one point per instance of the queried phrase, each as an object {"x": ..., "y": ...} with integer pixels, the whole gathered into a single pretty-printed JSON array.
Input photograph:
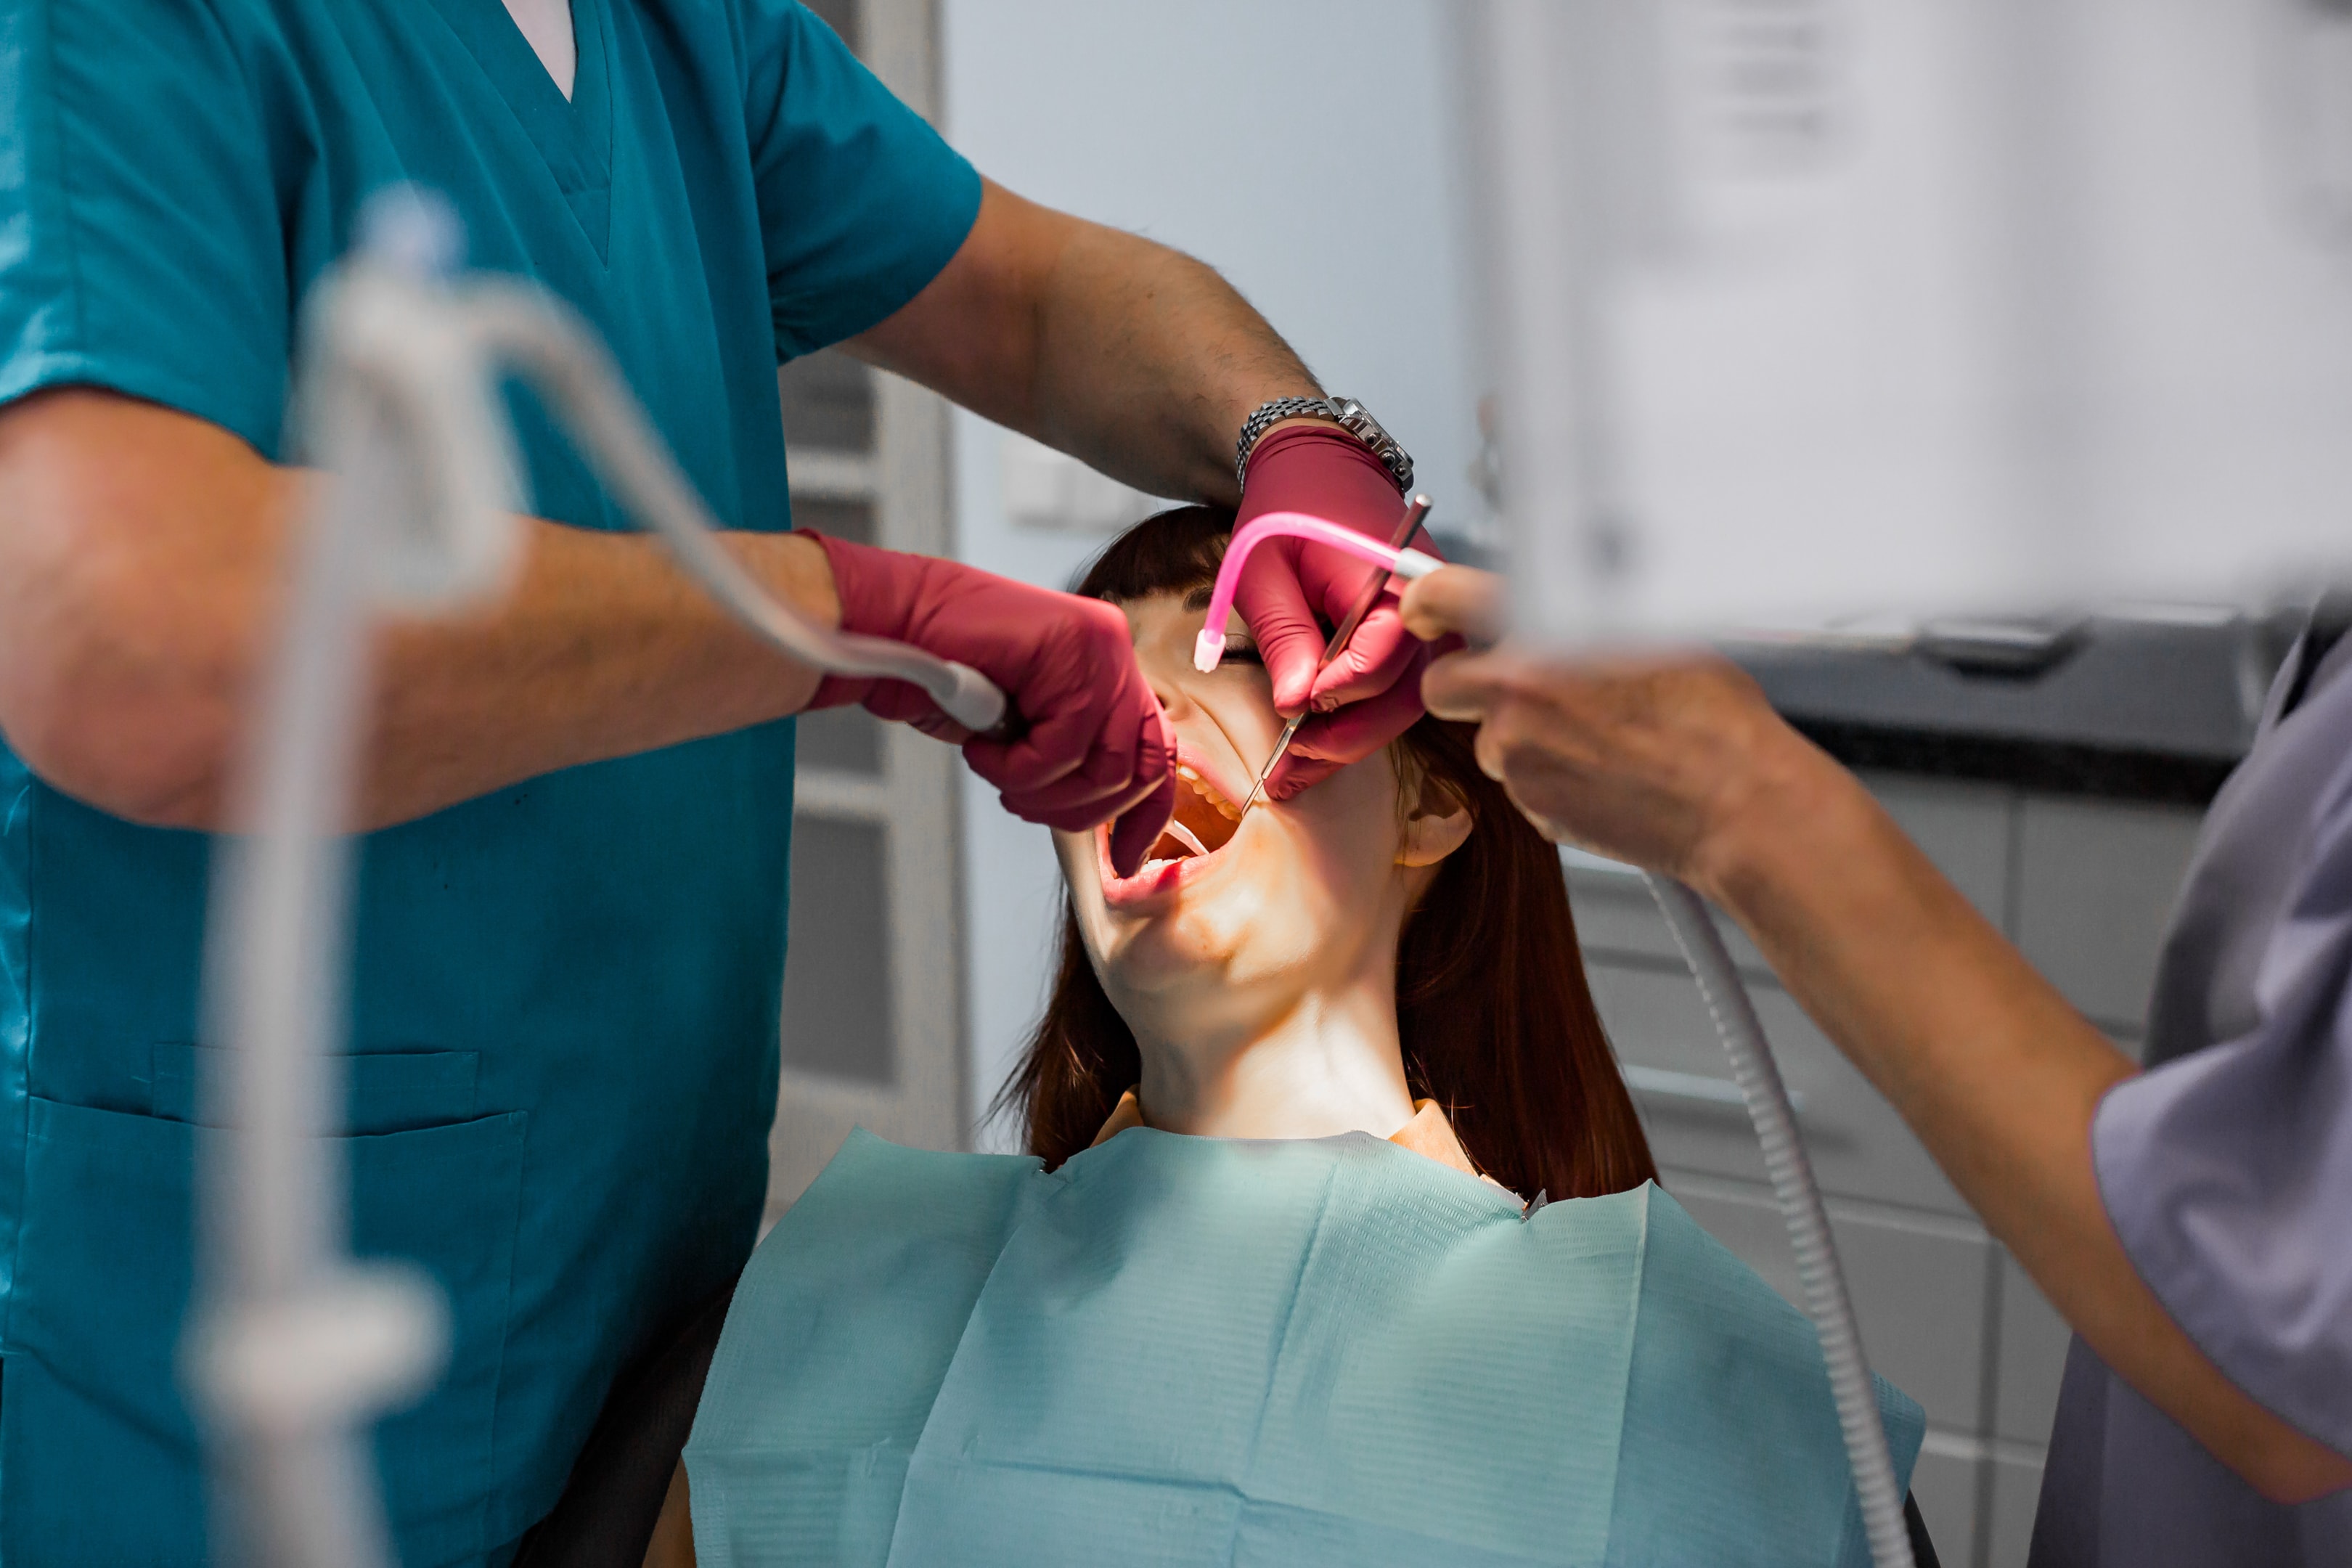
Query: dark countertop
[{"x": 2153, "y": 706}]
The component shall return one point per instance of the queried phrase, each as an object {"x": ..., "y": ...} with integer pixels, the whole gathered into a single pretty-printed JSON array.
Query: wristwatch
[{"x": 1345, "y": 412}]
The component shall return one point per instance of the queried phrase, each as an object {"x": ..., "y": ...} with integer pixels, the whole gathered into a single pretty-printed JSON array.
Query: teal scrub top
[
  {"x": 564, "y": 1010},
  {"x": 1197, "y": 1352}
]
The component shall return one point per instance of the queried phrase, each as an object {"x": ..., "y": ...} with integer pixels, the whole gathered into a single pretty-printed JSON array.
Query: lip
[
  {"x": 1151, "y": 885},
  {"x": 1156, "y": 884}
]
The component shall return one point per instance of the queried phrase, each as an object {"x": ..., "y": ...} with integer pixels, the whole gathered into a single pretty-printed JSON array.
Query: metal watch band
[
  {"x": 1345, "y": 412},
  {"x": 1255, "y": 427}
]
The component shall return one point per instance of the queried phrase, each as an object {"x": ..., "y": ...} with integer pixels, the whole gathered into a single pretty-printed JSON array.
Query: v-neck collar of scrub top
[
  {"x": 574, "y": 135},
  {"x": 547, "y": 23}
]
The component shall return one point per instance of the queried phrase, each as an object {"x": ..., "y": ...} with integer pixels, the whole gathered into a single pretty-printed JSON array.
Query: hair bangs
[{"x": 1175, "y": 552}]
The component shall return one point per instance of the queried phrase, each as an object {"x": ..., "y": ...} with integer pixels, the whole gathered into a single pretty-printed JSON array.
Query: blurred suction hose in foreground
[
  {"x": 293, "y": 1349},
  {"x": 1759, "y": 1077}
]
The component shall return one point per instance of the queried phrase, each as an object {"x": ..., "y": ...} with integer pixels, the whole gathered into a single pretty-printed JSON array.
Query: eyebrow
[{"x": 1198, "y": 599}]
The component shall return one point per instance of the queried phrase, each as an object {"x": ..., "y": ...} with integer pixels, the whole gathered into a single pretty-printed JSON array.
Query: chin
[
  {"x": 1215, "y": 939},
  {"x": 1214, "y": 904}
]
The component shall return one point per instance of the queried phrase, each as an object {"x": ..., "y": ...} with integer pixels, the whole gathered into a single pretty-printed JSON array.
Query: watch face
[{"x": 1358, "y": 421}]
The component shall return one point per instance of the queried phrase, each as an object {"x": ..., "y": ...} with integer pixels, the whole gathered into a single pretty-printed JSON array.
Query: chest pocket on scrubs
[{"x": 105, "y": 1267}]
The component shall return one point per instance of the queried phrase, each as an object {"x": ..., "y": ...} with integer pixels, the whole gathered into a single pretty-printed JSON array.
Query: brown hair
[{"x": 1497, "y": 1023}]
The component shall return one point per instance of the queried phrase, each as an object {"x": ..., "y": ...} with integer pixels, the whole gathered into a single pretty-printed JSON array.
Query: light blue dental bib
[{"x": 1192, "y": 1351}]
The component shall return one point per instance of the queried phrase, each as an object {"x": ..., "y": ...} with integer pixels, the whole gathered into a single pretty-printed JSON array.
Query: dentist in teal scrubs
[{"x": 570, "y": 930}]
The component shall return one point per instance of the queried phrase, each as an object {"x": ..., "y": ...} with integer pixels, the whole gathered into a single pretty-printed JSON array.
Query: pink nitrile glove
[
  {"x": 1292, "y": 592},
  {"x": 1096, "y": 748},
  {"x": 1330, "y": 742}
]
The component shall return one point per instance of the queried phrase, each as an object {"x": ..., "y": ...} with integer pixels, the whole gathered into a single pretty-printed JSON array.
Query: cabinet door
[
  {"x": 1675, "y": 1065},
  {"x": 1964, "y": 828}
]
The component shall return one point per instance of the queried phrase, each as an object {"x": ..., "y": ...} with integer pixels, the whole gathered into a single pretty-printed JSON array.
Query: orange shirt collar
[{"x": 1428, "y": 1134}]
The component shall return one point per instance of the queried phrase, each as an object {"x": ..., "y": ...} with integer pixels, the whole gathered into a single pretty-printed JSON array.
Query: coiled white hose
[{"x": 1826, "y": 1300}]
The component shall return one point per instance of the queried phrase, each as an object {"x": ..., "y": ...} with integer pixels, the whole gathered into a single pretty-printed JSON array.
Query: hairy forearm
[
  {"x": 1132, "y": 356},
  {"x": 1134, "y": 326},
  {"x": 604, "y": 648},
  {"x": 1987, "y": 1063},
  {"x": 145, "y": 563}
]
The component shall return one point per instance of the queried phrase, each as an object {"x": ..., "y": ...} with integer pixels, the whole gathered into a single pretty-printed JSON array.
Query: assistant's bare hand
[
  {"x": 1454, "y": 601},
  {"x": 1661, "y": 760}
]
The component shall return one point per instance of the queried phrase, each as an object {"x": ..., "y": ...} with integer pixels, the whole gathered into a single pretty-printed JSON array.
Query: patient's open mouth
[
  {"x": 1204, "y": 823},
  {"x": 1204, "y": 820}
]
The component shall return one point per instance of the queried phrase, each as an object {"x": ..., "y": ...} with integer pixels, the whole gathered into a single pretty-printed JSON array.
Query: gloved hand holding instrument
[
  {"x": 1375, "y": 585},
  {"x": 1083, "y": 739},
  {"x": 1369, "y": 692}
]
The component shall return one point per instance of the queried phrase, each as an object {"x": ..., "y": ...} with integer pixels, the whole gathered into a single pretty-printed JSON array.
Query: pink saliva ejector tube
[{"x": 1208, "y": 649}]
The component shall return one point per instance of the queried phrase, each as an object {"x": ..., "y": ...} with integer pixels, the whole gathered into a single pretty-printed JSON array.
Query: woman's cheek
[{"x": 1291, "y": 910}]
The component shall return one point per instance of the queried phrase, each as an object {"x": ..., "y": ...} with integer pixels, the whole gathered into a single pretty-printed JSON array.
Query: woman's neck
[{"x": 1329, "y": 1063}]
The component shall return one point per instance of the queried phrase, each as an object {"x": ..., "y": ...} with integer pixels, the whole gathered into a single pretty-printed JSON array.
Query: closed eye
[{"x": 1241, "y": 649}]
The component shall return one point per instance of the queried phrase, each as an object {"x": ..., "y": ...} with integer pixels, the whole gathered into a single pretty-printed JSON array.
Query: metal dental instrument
[{"x": 1413, "y": 513}]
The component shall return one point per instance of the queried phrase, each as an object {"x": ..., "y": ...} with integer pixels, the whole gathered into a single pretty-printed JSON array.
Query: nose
[{"x": 1172, "y": 700}]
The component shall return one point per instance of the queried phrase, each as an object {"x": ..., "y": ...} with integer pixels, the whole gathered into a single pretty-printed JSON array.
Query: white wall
[{"x": 1300, "y": 148}]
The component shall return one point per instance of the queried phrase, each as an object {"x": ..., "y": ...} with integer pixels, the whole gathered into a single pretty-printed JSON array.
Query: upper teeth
[{"x": 1208, "y": 792}]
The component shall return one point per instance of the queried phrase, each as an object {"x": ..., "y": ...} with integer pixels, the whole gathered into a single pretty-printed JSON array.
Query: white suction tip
[
  {"x": 973, "y": 701},
  {"x": 1208, "y": 650},
  {"x": 1413, "y": 565}
]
